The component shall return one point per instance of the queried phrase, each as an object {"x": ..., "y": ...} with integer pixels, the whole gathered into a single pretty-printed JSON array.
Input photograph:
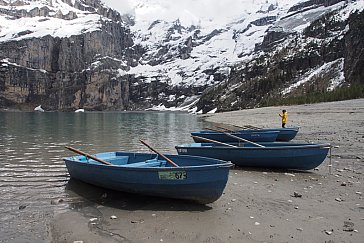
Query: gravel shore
[{"x": 258, "y": 205}]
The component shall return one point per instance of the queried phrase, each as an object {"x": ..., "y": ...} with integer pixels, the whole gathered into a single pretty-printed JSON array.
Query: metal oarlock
[{"x": 330, "y": 161}]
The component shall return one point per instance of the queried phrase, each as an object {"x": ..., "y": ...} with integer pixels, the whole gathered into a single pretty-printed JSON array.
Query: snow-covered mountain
[{"x": 67, "y": 54}]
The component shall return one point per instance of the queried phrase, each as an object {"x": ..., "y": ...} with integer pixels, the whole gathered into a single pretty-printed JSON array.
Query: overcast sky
[{"x": 217, "y": 11}]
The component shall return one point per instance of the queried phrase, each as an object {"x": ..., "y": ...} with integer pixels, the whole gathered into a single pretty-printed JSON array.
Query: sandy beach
[{"x": 258, "y": 205}]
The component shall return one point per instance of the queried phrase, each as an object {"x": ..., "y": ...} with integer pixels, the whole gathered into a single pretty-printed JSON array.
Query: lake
[{"x": 33, "y": 177}]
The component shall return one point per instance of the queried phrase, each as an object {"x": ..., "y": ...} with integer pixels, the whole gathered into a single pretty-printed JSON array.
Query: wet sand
[{"x": 257, "y": 205}]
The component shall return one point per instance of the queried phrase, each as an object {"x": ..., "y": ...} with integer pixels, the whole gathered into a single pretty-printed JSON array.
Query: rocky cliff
[{"x": 70, "y": 54}]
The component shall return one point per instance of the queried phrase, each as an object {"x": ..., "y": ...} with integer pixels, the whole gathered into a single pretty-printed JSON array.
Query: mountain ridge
[{"x": 113, "y": 62}]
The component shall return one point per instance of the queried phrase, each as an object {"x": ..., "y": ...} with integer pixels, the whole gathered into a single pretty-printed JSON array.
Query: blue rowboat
[
  {"x": 284, "y": 135},
  {"x": 282, "y": 155},
  {"x": 198, "y": 179},
  {"x": 251, "y": 135}
]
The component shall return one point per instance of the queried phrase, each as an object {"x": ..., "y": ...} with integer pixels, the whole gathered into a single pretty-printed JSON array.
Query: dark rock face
[
  {"x": 354, "y": 46},
  {"x": 58, "y": 72},
  {"x": 273, "y": 37},
  {"x": 313, "y": 4}
]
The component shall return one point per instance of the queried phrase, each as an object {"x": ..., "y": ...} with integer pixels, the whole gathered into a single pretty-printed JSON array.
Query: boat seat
[
  {"x": 119, "y": 160},
  {"x": 148, "y": 163}
]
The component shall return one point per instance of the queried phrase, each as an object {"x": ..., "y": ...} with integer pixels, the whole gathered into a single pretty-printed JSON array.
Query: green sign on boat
[{"x": 172, "y": 175}]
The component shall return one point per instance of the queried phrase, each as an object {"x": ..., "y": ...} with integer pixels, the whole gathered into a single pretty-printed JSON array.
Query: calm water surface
[{"x": 33, "y": 176}]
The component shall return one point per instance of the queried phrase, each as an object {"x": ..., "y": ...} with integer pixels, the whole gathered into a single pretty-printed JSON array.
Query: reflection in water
[
  {"x": 90, "y": 195},
  {"x": 33, "y": 174}
]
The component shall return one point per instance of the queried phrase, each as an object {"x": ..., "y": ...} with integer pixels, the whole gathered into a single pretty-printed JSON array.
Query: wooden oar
[
  {"x": 247, "y": 127},
  {"x": 226, "y": 129},
  {"x": 87, "y": 155},
  {"x": 155, "y": 151},
  {"x": 239, "y": 138},
  {"x": 242, "y": 127},
  {"x": 214, "y": 141},
  {"x": 253, "y": 127}
]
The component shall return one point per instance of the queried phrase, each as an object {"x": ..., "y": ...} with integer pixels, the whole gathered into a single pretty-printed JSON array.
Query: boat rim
[
  {"x": 223, "y": 164},
  {"x": 322, "y": 145}
]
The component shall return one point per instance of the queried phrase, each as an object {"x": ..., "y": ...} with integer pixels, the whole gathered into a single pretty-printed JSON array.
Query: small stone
[
  {"x": 256, "y": 223},
  {"x": 137, "y": 221},
  {"x": 290, "y": 201},
  {"x": 296, "y": 194},
  {"x": 113, "y": 217},
  {"x": 251, "y": 217},
  {"x": 289, "y": 174},
  {"x": 56, "y": 201},
  {"x": 338, "y": 199},
  {"x": 300, "y": 229},
  {"x": 356, "y": 231},
  {"x": 348, "y": 226},
  {"x": 255, "y": 182},
  {"x": 296, "y": 207},
  {"x": 233, "y": 200},
  {"x": 328, "y": 232},
  {"x": 343, "y": 183},
  {"x": 153, "y": 215},
  {"x": 93, "y": 219},
  {"x": 359, "y": 193}
]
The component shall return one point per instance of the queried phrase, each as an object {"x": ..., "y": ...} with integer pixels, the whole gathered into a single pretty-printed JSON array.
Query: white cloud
[
  {"x": 122, "y": 6},
  {"x": 191, "y": 11}
]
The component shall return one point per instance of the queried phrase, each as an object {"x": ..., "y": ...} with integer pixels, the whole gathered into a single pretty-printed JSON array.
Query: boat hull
[
  {"x": 198, "y": 179},
  {"x": 254, "y": 136},
  {"x": 284, "y": 135},
  {"x": 273, "y": 155}
]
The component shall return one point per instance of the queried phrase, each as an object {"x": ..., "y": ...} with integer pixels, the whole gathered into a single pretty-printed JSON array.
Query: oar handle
[
  {"x": 242, "y": 139},
  {"x": 155, "y": 151},
  {"x": 87, "y": 155},
  {"x": 248, "y": 127},
  {"x": 239, "y": 138},
  {"x": 213, "y": 141},
  {"x": 227, "y": 129}
]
